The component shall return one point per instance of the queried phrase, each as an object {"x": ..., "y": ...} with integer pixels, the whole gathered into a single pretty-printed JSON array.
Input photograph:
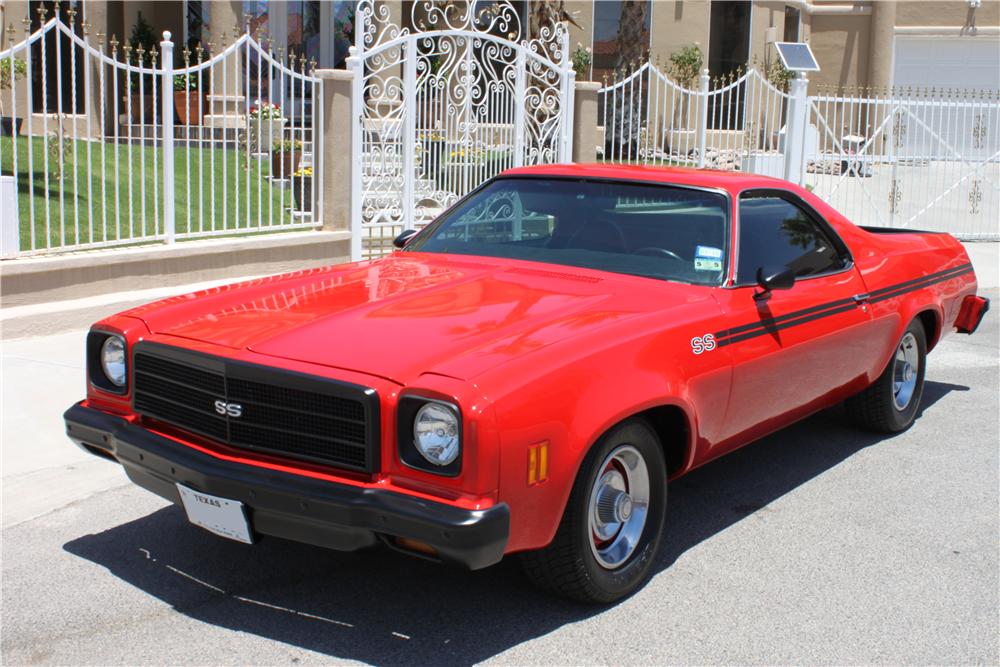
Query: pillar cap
[
  {"x": 588, "y": 85},
  {"x": 334, "y": 74}
]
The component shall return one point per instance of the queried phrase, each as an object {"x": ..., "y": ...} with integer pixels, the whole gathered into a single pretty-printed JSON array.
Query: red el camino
[{"x": 527, "y": 373}]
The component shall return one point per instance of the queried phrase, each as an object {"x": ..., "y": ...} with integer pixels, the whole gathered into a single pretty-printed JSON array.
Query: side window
[{"x": 775, "y": 231}]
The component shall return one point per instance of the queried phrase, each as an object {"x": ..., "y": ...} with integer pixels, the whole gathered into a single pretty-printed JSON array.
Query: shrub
[
  {"x": 685, "y": 65},
  {"x": 582, "y": 57}
]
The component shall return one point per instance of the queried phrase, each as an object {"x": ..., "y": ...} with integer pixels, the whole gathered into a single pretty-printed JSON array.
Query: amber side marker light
[{"x": 538, "y": 463}]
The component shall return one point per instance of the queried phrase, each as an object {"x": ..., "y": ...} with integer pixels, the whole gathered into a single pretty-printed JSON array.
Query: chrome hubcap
[
  {"x": 905, "y": 370},
  {"x": 619, "y": 503}
]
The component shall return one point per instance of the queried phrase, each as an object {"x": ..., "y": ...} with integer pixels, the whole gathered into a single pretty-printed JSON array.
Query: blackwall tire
[
  {"x": 891, "y": 403},
  {"x": 601, "y": 553}
]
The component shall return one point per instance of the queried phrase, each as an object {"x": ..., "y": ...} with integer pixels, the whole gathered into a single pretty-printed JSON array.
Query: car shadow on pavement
[{"x": 382, "y": 607}]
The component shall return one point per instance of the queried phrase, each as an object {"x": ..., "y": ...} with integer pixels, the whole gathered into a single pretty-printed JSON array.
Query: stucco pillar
[
  {"x": 334, "y": 145},
  {"x": 13, "y": 15},
  {"x": 883, "y": 25},
  {"x": 585, "y": 139},
  {"x": 883, "y": 30},
  {"x": 226, "y": 103}
]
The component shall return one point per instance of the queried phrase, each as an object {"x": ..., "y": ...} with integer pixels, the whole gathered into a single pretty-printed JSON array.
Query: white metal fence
[
  {"x": 446, "y": 104},
  {"x": 922, "y": 159},
  {"x": 727, "y": 123},
  {"x": 111, "y": 144},
  {"x": 116, "y": 168}
]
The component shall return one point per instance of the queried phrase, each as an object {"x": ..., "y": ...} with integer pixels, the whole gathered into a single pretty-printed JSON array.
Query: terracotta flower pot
[
  {"x": 282, "y": 164},
  {"x": 143, "y": 110},
  {"x": 186, "y": 107}
]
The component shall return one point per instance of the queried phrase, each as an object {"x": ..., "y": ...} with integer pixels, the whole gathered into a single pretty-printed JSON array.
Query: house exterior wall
[
  {"x": 841, "y": 44},
  {"x": 955, "y": 13},
  {"x": 676, "y": 24}
]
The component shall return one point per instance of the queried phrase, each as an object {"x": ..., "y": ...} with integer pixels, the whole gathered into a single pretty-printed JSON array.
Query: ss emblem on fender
[
  {"x": 231, "y": 409},
  {"x": 704, "y": 343}
]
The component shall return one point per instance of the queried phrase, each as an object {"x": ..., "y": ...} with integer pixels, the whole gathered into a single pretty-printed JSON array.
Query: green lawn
[{"x": 121, "y": 195}]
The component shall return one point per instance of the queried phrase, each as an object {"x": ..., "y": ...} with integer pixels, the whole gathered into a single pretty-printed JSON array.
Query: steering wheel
[{"x": 653, "y": 251}]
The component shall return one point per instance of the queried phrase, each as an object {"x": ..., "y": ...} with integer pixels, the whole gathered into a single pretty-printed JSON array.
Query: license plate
[{"x": 219, "y": 515}]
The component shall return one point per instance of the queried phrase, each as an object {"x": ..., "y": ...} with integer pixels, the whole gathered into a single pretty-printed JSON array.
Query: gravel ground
[{"x": 821, "y": 544}]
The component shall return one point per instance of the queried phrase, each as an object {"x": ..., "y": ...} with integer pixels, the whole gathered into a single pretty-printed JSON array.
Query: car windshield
[{"x": 650, "y": 230}]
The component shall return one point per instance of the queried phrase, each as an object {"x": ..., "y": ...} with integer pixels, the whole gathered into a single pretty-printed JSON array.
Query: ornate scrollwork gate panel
[{"x": 449, "y": 101}]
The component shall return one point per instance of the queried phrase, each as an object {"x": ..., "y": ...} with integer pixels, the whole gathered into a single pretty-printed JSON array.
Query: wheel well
[
  {"x": 671, "y": 426},
  {"x": 931, "y": 329}
]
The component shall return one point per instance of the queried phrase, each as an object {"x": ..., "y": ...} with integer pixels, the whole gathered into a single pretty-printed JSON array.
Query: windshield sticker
[{"x": 707, "y": 258}]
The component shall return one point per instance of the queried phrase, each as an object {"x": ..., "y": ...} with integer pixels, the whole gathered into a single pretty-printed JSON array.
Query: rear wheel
[
  {"x": 610, "y": 532},
  {"x": 890, "y": 404}
]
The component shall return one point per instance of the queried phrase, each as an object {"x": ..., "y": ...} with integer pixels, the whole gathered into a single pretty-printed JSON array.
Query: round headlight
[
  {"x": 113, "y": 360},
  {"x": 435, "y": 433}
]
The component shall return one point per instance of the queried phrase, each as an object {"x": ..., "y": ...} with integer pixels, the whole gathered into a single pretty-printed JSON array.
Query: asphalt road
[{"x": 820, "y": 544}]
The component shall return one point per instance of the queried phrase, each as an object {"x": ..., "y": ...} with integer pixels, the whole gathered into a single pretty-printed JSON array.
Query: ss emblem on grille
[{"x": 231, "y": 409}]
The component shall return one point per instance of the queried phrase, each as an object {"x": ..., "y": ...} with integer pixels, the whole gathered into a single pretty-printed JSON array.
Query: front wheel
[
  {"x": 890, "y": 404},
  {"x": 610, "y": 532}
]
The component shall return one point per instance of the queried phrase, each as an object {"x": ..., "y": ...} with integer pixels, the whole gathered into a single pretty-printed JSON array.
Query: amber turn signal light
[{"x": 538, "y": 463}]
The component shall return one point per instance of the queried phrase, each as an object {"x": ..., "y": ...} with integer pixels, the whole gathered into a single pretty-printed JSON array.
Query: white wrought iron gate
[
  {"x": 468, "y": 91},
  {"x": 912, "y": 159}
]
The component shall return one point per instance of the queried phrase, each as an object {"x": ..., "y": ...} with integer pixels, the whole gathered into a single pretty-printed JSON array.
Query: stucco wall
[
  {"x": 954, "y": 13},
  {"x": 676, "y": 24},
  {"x": 841, "y": 44}
]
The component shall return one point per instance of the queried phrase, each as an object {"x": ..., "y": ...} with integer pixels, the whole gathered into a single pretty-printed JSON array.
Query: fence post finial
[
  {"x": 41, "y": 14},
  {"x": 167, "y": 117}
]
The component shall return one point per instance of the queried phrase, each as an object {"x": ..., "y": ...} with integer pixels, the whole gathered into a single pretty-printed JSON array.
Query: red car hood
[{"x": 409, "y": 313}]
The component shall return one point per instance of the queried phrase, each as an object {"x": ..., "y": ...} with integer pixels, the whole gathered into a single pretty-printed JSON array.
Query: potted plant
[
  {"x": 188, "y": 102},
  {"x": 582, "y": 58},
  {"x": 11, "y": 71},
  {"x": 266, "y": 125},
  {"x": 302, "y": 185},
  {"x": 283, "y": 154}
]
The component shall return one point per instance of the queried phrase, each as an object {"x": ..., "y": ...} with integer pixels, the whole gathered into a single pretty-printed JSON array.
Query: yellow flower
[{"x": 303, "y": 172}]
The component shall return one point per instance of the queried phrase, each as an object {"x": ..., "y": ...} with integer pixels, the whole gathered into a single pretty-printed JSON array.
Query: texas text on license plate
[{"x": 220, "y": 515}]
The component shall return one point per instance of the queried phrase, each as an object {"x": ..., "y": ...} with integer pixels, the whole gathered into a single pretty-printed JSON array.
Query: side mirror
[
  {"x": 774, "y": 277},
  {"x": 404, "y": 238}
]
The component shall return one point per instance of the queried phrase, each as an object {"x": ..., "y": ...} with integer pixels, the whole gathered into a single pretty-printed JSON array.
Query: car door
[{"x": 793, "y": 350}]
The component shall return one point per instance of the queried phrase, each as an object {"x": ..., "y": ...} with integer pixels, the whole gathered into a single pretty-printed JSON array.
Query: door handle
[{"x": 862, "y": 298}]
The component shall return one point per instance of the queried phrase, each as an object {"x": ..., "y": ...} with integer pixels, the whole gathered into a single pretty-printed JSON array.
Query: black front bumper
[{"x": 291, "y": 506}]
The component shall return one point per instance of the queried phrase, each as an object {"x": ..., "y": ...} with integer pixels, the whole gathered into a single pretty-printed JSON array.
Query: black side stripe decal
[{"x": 774, "y": 324}]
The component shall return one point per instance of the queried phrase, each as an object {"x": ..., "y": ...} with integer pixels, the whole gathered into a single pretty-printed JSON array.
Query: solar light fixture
[{"x": 797, "y": 56}]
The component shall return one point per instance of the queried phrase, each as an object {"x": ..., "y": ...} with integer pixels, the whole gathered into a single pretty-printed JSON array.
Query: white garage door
[
  {"x": 949, "y": 62},
  {"x": 953, "y": 126}
]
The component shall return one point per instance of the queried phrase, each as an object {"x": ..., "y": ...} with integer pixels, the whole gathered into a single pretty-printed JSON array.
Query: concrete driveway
[{"x": 819, "y": 544}]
